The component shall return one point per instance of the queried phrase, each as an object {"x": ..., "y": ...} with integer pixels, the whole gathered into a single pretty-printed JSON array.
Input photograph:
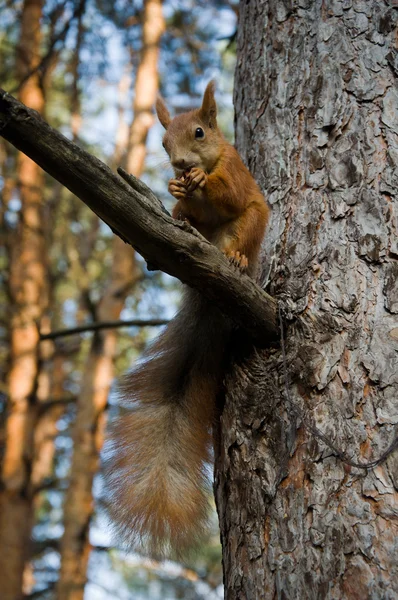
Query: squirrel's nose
[{"x": 179, "y": 163}]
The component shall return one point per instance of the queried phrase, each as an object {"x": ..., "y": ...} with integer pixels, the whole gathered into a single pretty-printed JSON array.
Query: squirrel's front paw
[
  {"x": 177, "y": 189},
  {"x": 237, "y": 259},
  {"x": 196, "y": 178}
]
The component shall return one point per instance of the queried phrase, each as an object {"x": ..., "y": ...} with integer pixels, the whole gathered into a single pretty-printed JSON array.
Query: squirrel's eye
[{"x": 199, "y": 133}]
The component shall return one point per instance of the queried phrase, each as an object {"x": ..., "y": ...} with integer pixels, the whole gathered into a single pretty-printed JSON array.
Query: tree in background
[
  {"x": 28, "y": 297},
  {"x": 98, "y": 373}
]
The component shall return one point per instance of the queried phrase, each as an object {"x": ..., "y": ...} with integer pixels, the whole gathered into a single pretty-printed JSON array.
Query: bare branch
[
  {"x": 103, "y": 325},
  {"x": 139, "y": 219},
  {"x": 49, "y": 404}
]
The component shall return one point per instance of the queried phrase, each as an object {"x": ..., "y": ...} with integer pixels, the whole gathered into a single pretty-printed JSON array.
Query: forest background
[{"x": 92, "y": 68}]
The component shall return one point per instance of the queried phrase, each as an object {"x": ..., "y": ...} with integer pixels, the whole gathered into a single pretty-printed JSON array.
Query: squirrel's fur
[{"x": 159, "y": 446}]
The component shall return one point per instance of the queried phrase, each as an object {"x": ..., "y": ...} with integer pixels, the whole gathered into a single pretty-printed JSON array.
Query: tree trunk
[
  {"x": 28, "y": 299},
  {"x": 317, "y": 110},
  {"x": 146, "y": 85},
  {"x": 88, "y": 430}
]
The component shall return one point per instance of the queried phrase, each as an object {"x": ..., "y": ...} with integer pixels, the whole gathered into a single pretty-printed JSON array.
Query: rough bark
[
  {"x": 137, "y": 216},
  {"x": 317, "y": 109},
  {"x": 28, "y": 292}
]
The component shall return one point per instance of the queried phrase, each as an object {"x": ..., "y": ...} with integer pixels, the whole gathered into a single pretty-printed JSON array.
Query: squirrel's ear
[
  {"x": 162, "y": 112},
  {"x": 208, "y": 111}
]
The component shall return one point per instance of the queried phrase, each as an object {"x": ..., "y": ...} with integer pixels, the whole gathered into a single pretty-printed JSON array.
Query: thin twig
[
  {"x": 49, "y": 404},
  {"x": 103, "y": 325}
]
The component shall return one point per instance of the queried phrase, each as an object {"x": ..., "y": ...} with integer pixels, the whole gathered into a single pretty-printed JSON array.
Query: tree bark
[
  {"x": 317, "y": 108},
  {"x": 28, "y": 291}
]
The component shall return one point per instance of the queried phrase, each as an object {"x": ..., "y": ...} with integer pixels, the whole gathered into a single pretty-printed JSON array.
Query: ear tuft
[
  {"x": 208, "y": 111},
  {"x": 162, "y": 112}
]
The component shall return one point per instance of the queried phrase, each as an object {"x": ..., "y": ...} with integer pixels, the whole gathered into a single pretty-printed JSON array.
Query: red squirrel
[{"x": 160, "y": 444}]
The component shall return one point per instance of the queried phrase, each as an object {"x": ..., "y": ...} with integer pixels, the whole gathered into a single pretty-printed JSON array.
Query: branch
[
  {"x": 138, "y": 217},
  {"x": 49, "y": 404},
  {"x": 103, "y": 325}
]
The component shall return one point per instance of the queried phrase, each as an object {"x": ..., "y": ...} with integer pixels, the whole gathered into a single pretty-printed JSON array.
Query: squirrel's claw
[
  {"x": 237, "y": 259},
  {"x": 195, "y": 178},
  {"x": 177, "y": 189}
]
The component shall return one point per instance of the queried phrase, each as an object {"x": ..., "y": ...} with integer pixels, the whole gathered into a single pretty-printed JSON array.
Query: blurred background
[{"x": 92, "y": 68}]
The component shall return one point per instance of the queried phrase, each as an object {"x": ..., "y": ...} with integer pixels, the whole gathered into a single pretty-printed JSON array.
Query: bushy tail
[{"x": 158, "y": 447}]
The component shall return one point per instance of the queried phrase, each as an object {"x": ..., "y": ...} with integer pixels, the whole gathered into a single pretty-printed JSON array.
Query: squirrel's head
[{"x": 192, "y": 139}]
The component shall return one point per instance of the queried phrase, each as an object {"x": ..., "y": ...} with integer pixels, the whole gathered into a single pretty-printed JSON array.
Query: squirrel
[{"x": 159, "y": 447}]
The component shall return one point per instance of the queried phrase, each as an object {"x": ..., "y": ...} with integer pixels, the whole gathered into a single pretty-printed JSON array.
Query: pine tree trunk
[
  {"x": 89, "y": 425},
  {"x": 88, "y": 430},
  {"x": 317, "y": 111},
  {"x": 146, "y": 85},
  {"x": 28, "y": 295}
]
